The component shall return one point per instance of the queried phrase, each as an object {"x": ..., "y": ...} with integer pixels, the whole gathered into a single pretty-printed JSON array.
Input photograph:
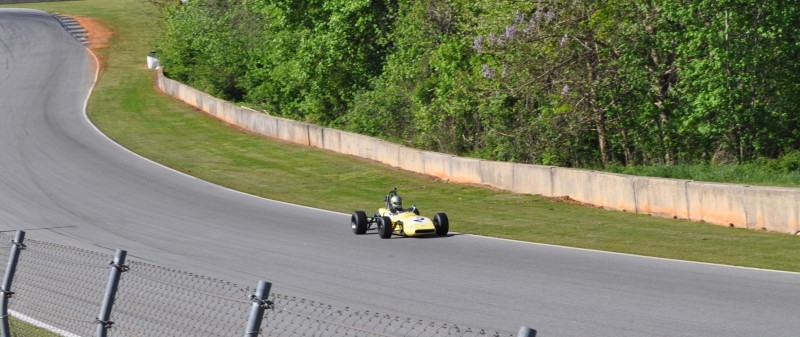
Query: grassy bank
[
  {"x": 784, "y": 171},
  {"x": 127, "y": 107},
  {"x": 22, "y": 328}
]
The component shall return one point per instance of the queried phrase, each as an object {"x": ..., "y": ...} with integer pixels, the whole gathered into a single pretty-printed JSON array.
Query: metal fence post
[
  {"x": 13, "y": 258},
  {"x": 260, "y": 303},
  {"x": 525, "y": 331},
  {"x": 117, "y": 268}
]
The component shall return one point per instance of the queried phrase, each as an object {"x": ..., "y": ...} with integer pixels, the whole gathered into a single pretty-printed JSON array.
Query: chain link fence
[
  {"x": 60, "y": 289},
  {"x": 178, "y": 303},
  {"x": 292, "y": 316},
  {"x": 60, "y": 286}
]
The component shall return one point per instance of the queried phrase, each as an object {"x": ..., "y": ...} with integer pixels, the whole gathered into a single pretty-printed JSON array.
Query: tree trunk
[{"x": 602, "y": 139}]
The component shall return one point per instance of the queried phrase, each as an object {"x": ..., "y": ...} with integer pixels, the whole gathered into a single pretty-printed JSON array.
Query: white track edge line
[
  {"x": 89, "y": 121},
  {"x": 40, "y": 324},
  {"x": 635, "y": 255}
]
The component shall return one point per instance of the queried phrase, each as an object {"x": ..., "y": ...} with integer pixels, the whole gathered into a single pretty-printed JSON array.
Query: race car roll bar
[{"x": 388, "y": 197}]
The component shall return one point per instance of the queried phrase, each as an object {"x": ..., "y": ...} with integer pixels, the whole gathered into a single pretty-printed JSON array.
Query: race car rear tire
[
  {"x": 441, "y": 224},
  {"x": 384, "y": 227},
  {"x": 359, "y": 222}
]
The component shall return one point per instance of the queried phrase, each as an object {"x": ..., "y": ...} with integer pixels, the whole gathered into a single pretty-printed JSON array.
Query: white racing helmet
[{"x": 396, "y": 202}]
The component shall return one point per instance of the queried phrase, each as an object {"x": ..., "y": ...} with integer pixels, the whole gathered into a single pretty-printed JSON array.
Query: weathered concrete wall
[
  {"x": 572, "y": 183},
  {"x": 775, "y": 209},
  {"x": 332, "y": 140},
  {"x": 412, "y": 160},
  {"x": 293, "y": 131},
  {"x": 661, "y": 197},
  {"x": 716, "y": 203},
  {"x": 465, "y": 170},
  {"x": 315, "y": 136},
  {"x": 389, "y": 154},
  {"x": 497, "y": 174},
  {"x": 436, "y": 164},
  {"x": 533, "y": 179}
]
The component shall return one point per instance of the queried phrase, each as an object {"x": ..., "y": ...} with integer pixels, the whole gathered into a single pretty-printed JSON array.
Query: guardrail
[{"x": 755, "y": 207}]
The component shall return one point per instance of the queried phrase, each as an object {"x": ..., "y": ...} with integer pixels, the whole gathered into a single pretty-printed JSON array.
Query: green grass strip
[
  {"x": 20, "y": 328},
  {"x": 126, "y": 106}
]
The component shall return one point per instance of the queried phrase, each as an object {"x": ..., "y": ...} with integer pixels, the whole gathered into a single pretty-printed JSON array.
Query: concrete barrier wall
[
  {"x": 331, "y": 140},
  {"x": 266, "y": 126},
  {"x": 436, "y": 164},
  {"x": 293, "y": 131},
  {"x": 465, "y": 170},
  {"x": 661, "y": 197},
  {"x": 572, "y": 183},
  {"x": 716, "y": 203},
  {"x": 607, "y": 190},
  {"x": 315, "y": 134},
  {"x": 533, "y": 179},
  {"x": 497, "y": 174},
  {"x": 774, "y": 209},
  {"x": 389, "y": 154},
  {"x": 412, "y": 160},
  {"x": 349, "y": 144},
  {"x": 613, "y": 191}
]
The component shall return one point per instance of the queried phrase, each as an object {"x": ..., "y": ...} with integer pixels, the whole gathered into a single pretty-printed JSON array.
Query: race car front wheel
[
  {"x": 384, "y": 227},
  {"x": 359, "y": 222},
  {"x": 441, "y": 224}
]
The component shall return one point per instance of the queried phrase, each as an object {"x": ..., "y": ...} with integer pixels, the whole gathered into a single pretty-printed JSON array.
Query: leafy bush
[{"x": 615, "y": 83}]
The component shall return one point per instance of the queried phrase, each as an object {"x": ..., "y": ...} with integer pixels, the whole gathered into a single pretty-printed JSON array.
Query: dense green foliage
[{"x": 568, "y": 83}]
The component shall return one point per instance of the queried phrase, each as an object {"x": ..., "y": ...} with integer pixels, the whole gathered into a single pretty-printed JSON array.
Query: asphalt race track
[{"x": 63, "y": 181}]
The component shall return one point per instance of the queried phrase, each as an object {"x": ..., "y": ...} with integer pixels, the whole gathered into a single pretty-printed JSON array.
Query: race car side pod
[{"x": 525, "y": 331}]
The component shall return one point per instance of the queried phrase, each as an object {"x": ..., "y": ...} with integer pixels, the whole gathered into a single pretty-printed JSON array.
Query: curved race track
[{"x": 63, "y": 181}]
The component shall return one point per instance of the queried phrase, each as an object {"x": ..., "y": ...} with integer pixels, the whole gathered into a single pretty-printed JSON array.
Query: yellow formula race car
[{"x": 394, "y": 219}]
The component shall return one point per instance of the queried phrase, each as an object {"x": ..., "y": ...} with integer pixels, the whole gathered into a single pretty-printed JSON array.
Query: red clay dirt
[{"x": 99, "y": 35}]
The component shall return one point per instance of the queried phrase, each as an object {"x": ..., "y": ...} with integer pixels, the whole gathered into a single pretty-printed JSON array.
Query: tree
[{"x": 738, "y": 67}]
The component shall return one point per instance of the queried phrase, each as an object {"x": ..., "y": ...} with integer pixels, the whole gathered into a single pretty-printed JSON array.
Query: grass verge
[
  {"x": 21, "y": 328},
  {"x": 127, "y": 107},
  {"x": 784, "y": 172}
]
